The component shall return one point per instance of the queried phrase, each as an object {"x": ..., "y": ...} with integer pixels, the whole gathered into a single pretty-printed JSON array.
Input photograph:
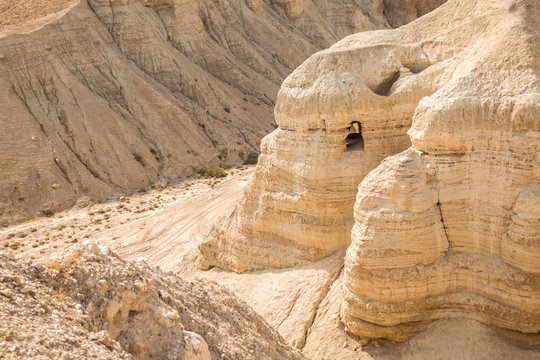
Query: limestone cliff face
[
  {"x": 448, "y": 227},
  {"x": 99, "y": 97},
  {"x": 339, "y": 115},
  {"x": 451, "y": 227}
]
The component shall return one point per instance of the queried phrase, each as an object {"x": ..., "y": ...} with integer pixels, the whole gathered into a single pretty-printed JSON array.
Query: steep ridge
[{"x": 101, "y": 97}]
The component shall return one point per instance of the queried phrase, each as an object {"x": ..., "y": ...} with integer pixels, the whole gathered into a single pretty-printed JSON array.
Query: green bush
[
  {"x": 252, "y": 159},
  {"x": 212, "y": 172},
  {"x": 225, "y": 166}
]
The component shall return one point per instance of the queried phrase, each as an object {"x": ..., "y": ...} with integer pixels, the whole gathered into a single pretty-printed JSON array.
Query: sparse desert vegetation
[{"x": 252, "y": 159}]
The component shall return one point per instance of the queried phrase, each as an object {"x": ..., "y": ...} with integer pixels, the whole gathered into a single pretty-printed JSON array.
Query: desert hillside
[
  {"x": 393, "y": 211},
  {"x": 88, "y": 303},
  {"x": 100, "y": 97}
]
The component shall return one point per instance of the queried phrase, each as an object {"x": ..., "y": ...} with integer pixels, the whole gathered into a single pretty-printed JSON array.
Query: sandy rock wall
[
  {"x": 339, "y": 114},
  {"x": 101, "y": 97},
  {"x": 450, "y": 227}
]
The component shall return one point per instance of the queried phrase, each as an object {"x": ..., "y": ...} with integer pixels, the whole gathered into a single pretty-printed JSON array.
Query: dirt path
[{"x": 164, "y": 226}]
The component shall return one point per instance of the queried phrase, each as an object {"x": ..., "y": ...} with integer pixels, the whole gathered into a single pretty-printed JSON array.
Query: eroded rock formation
[
  {"x": 339, "y": 114},
  {"x": 88, "y": 303},
  {"x": 450, "y": 228},
  {"x": 101, "y": 97}
]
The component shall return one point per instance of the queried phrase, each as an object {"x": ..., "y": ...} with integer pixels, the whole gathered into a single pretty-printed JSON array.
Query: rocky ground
[
  {"x": 163, "y": 228},
  {"x": 87, "y": 303}
]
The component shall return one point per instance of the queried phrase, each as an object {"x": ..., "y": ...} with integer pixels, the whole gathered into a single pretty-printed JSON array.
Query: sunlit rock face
[
  {"x": 450, "y": 228},
  {"x": 447, "y": 227},
  {"x": 339, "y": 114}
]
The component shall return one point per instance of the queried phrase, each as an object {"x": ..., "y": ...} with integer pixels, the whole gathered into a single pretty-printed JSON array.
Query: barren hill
[
  {"x": 102, "y": 97},
  {"x": 88, "y": 303}
]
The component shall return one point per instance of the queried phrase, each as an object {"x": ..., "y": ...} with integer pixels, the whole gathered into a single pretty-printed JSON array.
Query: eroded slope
[
  {"x": 102, "y": 97},
  {"x": 89, "y": 303}
]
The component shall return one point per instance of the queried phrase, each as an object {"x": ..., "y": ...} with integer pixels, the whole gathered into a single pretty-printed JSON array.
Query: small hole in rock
[{"x": 354, "y": 140}]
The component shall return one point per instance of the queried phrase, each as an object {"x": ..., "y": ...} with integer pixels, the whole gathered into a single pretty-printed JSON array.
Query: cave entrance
[{"x": 354, "y": 140}]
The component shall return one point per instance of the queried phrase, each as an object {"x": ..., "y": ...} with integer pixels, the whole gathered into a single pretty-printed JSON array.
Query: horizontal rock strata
[
  {"x": 104, "y": 97},
  {"x": 339, "y": 114},
  {"x": 450, "y": 228}
]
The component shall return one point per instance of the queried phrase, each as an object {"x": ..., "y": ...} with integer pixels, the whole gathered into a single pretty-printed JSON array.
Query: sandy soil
[
  {"x": 164, "y": 225},
  {"x": 22, "y": 16}
]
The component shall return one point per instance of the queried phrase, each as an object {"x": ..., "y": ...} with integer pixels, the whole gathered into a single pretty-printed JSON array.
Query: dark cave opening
[{"x": 354, "y": 140}]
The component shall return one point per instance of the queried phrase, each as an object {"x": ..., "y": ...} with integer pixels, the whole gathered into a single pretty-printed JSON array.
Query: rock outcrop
[
  {"x": 339, "y": 115},
  {"x": 103, "y": 97},
  {"x": 450, "y": 228},
  {"x": 446, "y": 229},
  {"x": 88, "y": 303}
]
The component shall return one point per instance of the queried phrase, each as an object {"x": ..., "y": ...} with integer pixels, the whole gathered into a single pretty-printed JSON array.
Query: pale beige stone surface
[
  {"x": 287, "y": 299},
  {"x": 293, "y": 301},
  {"x": 443, "y": 339},
  {"x": 450, "y": 228},
  {"x": 299, "y": 205},
  {"x": 446, "y": 229}
]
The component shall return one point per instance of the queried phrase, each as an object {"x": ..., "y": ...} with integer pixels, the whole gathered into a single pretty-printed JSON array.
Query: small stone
[
  {"x": 28, "y": 290},
  {"x": 112, "y": 310},
  {"x": 17, "y": 279},
  {"x": 7, "y": 293},
  {"x": 104, "y": 338},
  {"x": 172, "y": 315},
  {"x": 139, "y": 286},
  {"x": 103, "y": 286},
  {"x": 7, "y": 255}
]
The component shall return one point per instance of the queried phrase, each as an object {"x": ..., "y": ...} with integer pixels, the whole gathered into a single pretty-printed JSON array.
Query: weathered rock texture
[
  {"x": 101, "y": 97},
  {"x": 450, "y": 228},
  {"x": 339, "y": 114},
  {"x": 88, "y": 303}
]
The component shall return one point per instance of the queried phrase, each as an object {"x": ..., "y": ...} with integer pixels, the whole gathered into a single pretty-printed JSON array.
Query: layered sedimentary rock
[
  {"x": 101, "y": 97},
  {"x": 339, "y": 114},
  {"x": 450, "y": 228}
]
